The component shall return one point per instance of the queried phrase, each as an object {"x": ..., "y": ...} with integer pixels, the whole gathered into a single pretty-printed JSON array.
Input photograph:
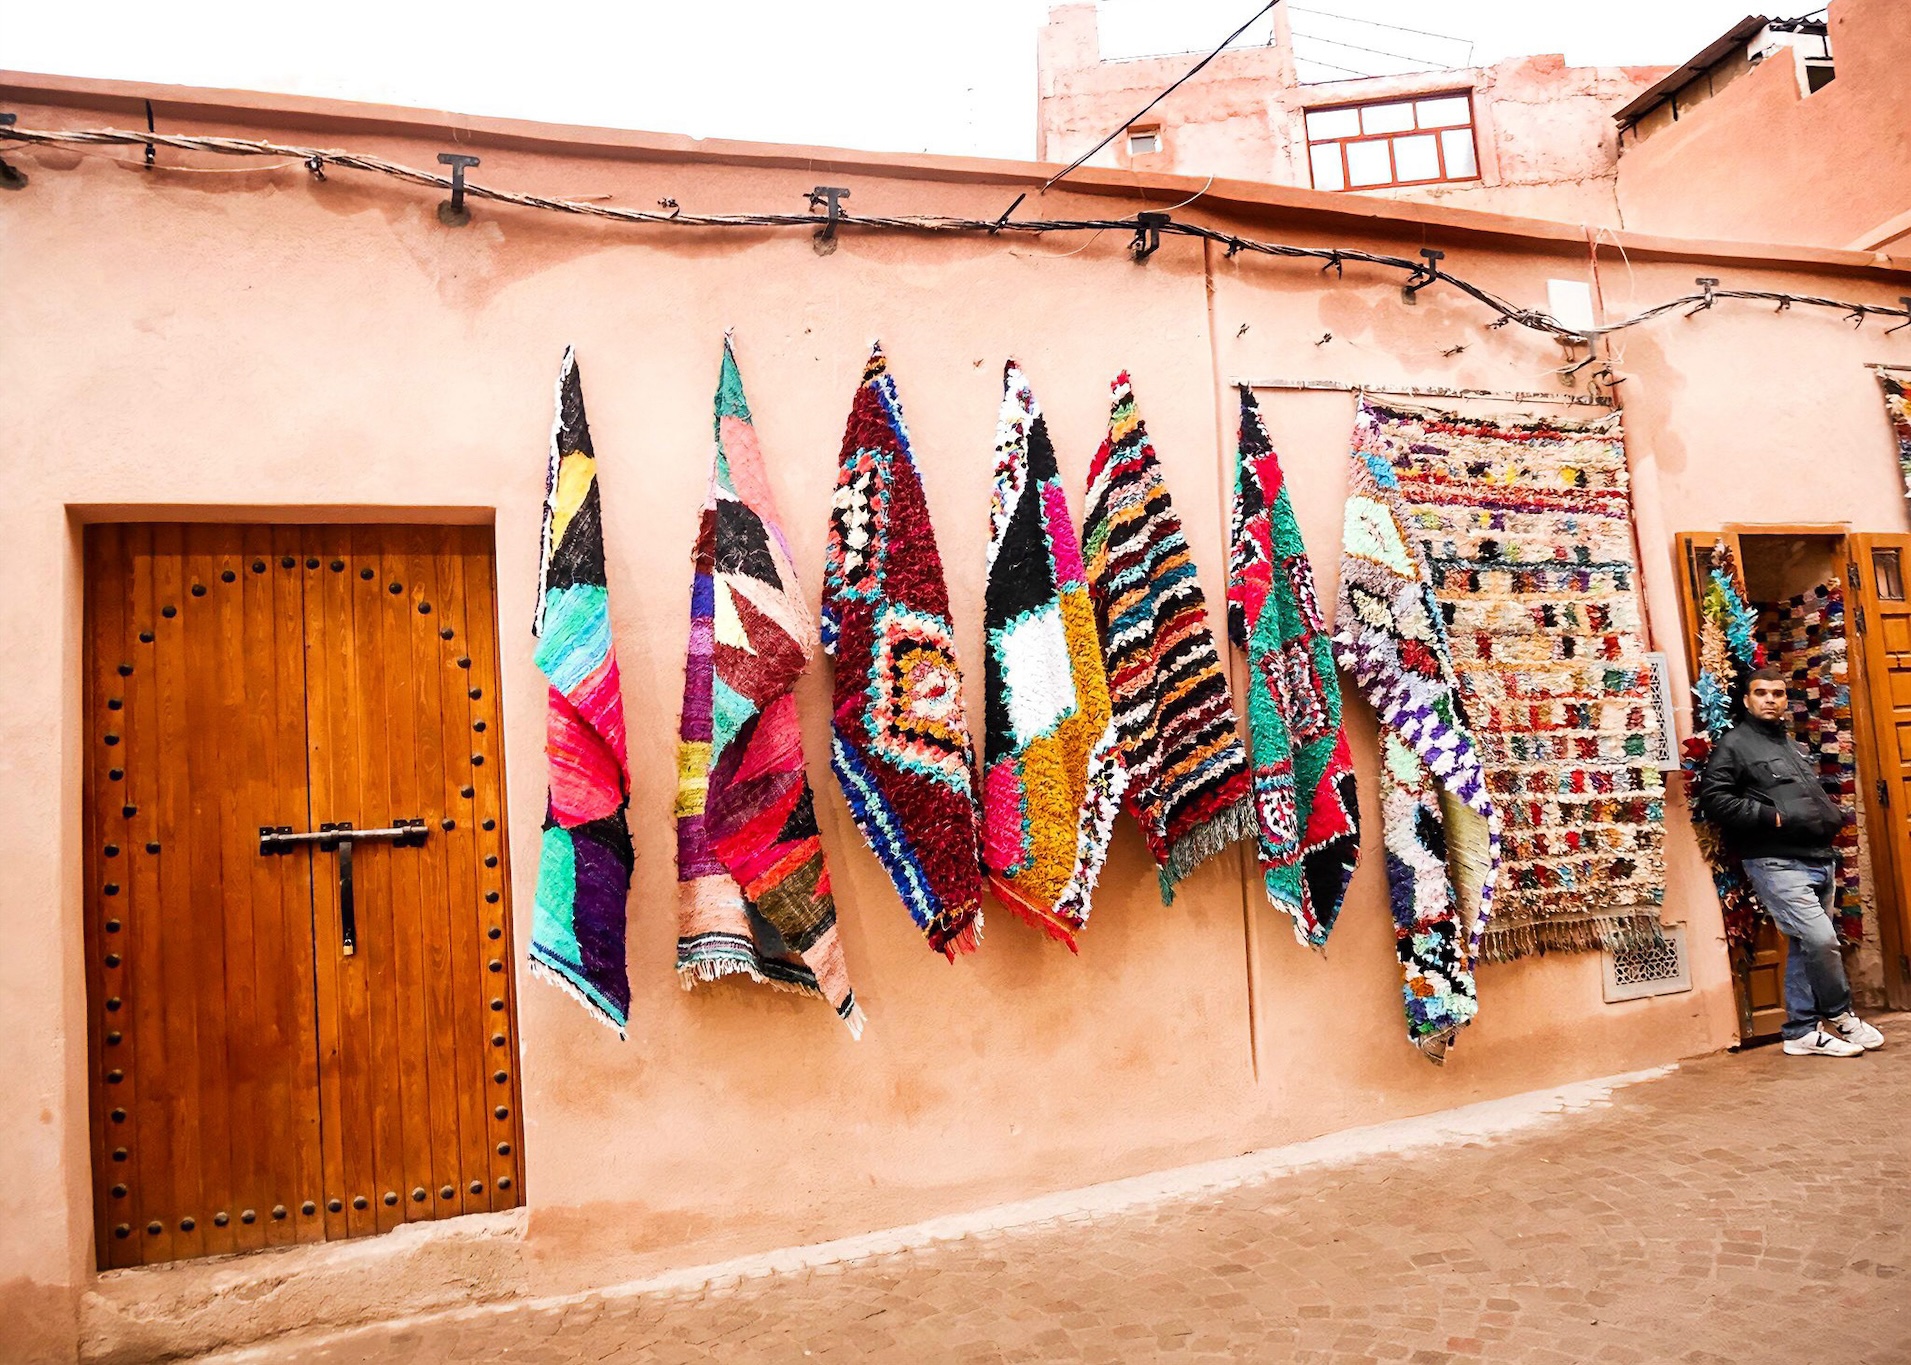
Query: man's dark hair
[{"x": 1768, "y": 674}]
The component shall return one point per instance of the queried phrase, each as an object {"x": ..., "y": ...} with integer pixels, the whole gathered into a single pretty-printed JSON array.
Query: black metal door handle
[{"x": 338, "y": 838}]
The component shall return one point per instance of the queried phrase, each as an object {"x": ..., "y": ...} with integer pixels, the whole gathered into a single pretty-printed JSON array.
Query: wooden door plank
[
  {"x": 505, "y": 1135},
  {"x": 1885, "y": 664}
]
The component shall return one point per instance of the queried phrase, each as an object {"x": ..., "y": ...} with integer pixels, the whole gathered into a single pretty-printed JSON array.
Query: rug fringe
[
  {"x": 967, "y": 941},
  {"x": 545, "y": 972},
  {"x": 707, "y": 971},
  {"x": 1434, "y": 1046},
  {"x": 1203, "y": 842},
  {"x": 1574, "y": 934},
  {"x": 854, "y": 1022}
]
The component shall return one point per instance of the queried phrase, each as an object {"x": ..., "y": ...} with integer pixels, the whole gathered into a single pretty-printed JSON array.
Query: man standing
[{"x": 1760, "y": 790}]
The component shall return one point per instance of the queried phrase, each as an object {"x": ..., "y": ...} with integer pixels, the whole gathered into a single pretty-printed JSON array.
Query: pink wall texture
[
  {"x": 232, "y": 339},
  {"x": 1763, "y": 161},
  {"x": 1544, "y": 132}
]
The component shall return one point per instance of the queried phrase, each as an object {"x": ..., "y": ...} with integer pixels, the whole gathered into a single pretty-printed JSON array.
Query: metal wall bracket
[
  {"x": 452, "y": 213},
  {"x": 829, "y": 198},
  {"x": 11, "y": 177},
  {"x": 1148, "y": 234},
  {"x": 1423, "y": 275}
]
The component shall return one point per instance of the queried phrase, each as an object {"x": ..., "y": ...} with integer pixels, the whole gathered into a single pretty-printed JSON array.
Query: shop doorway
[
  {"x": 1824, "y": 597},
  {"x": 298, "y": 923}
]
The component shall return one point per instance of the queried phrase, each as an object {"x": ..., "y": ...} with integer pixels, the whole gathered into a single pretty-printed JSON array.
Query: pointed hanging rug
[
  {"x": 753, "y": 889},
  {"x": 1525, "y": 525},
  {"x": 1187, "y": 771},
  {"x": 900, "y": 742},
  {"x": 584, "y": 863},
  {"x": 1052, "y": 775},
  {"x": 1305, "y": 799},
  {"x": 1897, "y": 407},
  {"x": 1438, "y": 823}
]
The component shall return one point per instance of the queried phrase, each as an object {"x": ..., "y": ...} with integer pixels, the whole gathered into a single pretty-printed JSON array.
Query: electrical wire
[{"x": 1419, "y": 273}]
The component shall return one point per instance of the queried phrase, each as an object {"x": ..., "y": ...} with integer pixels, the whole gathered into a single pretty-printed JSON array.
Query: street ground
[{"x": 1745, "y": 1209}]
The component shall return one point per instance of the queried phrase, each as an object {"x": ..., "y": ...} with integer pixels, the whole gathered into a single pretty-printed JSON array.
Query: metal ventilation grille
[
  {"x": 1634, "y": 973},
  {"x": 1662, "y": 747}
]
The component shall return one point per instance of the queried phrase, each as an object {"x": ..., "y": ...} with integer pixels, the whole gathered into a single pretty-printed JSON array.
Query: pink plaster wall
[
  {"x": 1544, "y": 130},
  {"x": 254, "y": 343},
  {"x": 1763, "y": 161}
]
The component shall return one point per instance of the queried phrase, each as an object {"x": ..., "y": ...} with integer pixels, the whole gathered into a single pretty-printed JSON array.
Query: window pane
[
  {"x": 1387, "y": 118},
  {"x": 1457, "y": 143},
  {"x": 1449, "y": 112},
  {"x": 1324, "y": 123},
  {"x": 1889, "y": 575},
  {"x": 1368, "y": 164},
  {"x": 1414, "y": 158},
  {"x": 1141, "y": 144},
  {"x": 1327, "y": 166}
]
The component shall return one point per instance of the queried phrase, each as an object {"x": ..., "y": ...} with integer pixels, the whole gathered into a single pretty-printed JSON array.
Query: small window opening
[
  {"x": 1818, "y": 75},
  {"x": 1144, "y": 141}
]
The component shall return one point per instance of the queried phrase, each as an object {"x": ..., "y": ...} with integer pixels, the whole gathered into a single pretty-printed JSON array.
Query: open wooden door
[{"x": 1881, "y": 703}]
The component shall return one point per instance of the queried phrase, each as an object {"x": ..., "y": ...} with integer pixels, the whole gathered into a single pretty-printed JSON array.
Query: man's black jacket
[{"x": 1760, "y": 790}]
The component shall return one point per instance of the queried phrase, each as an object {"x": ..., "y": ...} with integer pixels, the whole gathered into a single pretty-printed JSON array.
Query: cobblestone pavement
[{"x": 1746, "y": 1209}]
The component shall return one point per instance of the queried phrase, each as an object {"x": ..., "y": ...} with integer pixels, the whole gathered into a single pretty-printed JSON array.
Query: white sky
[{"x": 895, "y": 76}]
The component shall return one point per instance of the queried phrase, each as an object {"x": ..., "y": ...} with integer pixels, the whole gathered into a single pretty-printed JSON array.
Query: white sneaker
[
  {"x": 1819, "y": 1043},
  {"x": 1854, "y": 1030}
]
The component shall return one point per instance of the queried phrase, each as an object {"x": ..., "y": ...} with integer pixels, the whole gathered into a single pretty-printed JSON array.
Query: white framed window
[
  {"x": 1422, "y": 140},
  {"x": 1144, "y": 141}
]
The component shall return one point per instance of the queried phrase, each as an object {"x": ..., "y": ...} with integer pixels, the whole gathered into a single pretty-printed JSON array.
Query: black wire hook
[{"x": 1148, "y": 234}]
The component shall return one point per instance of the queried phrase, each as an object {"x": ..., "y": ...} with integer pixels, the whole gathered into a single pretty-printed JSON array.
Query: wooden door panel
[
  {"x": 400, "y": 673},
  {"x": 201, "y": 957},
  {"x": 1881, "y": 693}
]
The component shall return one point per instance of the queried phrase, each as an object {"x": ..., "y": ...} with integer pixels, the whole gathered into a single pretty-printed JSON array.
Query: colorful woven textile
[
  {"x": 1727, "y": 655},
  {"x": 1051, "y": 773},
  {"x": 753, "y": 889},
  {"x": 583, "y": 874},
  {"x": 1187, "y": 771},
  {"x": 1897, "y": 406},
  {"x": 1526, "y": 531},
  {"x": 1805, "y": 636},
  {"x": 900, "y": 745},
  {"x": 1438, "y": 822},
  {"x": 1304, "y": 789}
]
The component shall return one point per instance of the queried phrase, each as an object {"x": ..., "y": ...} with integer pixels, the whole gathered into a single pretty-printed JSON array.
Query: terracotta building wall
[
  {"x": 255, "y": 344},
  {"x": 1763, "y": 161},
  {"x": 1544, "y": 130}
]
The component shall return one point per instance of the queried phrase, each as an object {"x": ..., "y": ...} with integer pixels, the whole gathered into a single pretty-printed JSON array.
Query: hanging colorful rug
[
  {"x": 753, "y": 889},
  {"x": 1305, "y": 798},
  {"x": 1526, "y": 531},
  {"x": 1438, "y": 822},
  {"x": 1805, "y": 636},
  {"x": 1897, "y": 406},
  {"x": 1052, "y": 774},
  {"x": 1188, "y": 784},
  {"x": 584, "y": 863},
  {"x": 900, "y": 742},
  {"x": 1728, "y": 652}
]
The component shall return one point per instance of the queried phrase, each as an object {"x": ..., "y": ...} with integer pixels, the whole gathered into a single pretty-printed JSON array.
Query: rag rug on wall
[
  {"x": 1052, "y": 776},
  {"x": 1897, "y": 406},
  {"x": 1188, "y": 785},
  {"x": 1805, "y": 636},
  {"x": 1305, "y": 799},
  {"x": 1438, "y": 823},
  {"x": 900, "y": 743},
  {"x": 1526, "y": 531},
  {"x": 1728, "y": 652},
  {"x": 753, "y": 889},
  {"x": 584, "y": 861}
]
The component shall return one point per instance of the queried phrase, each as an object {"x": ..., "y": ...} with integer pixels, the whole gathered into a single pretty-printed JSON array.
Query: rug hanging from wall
[
  {"x": 1805, "y": 636},
  {"x": 1188, "y": 785},
  {"x": 1526, "y": 531},
  {"x": 753, "y": 888},
  {"x": 1897, "y": 406},
  {"x": 900, "y": 742},
  {"x": 1306, "y": 804},
  {"x": 1728, "y": 652},
  {"x": 1438, "y": 822},
  {"x": 584, "y": 861},
  {"x": 1052, "y": 776}
]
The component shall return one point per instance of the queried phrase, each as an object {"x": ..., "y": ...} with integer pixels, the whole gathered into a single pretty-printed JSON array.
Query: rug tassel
[
  {"x": 1203, "y": 842},
  {"x": 544, "y": 972},
  {"x": 690, "y": 973}
]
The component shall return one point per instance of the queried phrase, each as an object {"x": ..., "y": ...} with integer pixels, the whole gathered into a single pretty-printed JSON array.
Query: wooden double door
[{"x": 299, "y": 1031}]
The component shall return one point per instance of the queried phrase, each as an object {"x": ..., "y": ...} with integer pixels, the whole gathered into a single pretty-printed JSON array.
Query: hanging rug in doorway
[
  {"x": 1187, "y": 770},
  {"x": 1306, "y": 804},
  {"x": 1051, "y": 773},
  {"x": 1805, "y": 636},
  {"x": 1525, "y": 527},
  {"x": 899, "y": 743},
  {"x": 753, "y": 889},
  {"x": 1728, "y": 652},
  {"x": 1438, "y": 822},
  {"x": 1897, "y": 406},
  {"x": 584, "y": 862}
]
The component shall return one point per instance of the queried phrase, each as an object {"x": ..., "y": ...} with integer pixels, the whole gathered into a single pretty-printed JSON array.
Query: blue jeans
[{"x": 1797, "y": 894}]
